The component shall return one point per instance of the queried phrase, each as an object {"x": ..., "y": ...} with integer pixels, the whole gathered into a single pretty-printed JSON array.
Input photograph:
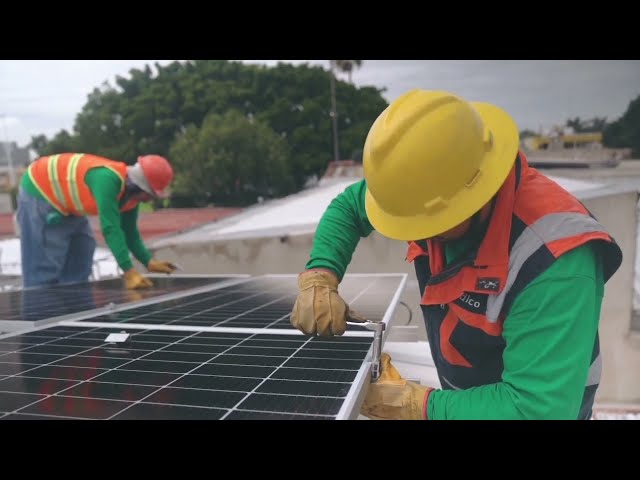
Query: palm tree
[
  {"x": 345, "y": 66},
  {"x": 348, "y": 66},
  {"x": 334, "y": 111}
]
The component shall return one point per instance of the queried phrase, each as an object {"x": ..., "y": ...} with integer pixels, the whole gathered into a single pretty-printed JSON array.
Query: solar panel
[
  {"x": 225, "y": 353},
  {"x": 20, "y": 309},
  {"x": 261, "y": 303},
  {"x": 70, "y": 372}
]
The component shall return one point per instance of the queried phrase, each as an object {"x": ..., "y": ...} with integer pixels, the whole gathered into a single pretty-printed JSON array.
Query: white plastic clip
[{"x": 121, "y": 337}]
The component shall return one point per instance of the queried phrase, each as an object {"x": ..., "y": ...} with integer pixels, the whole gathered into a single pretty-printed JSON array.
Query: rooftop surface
[
  {"x": 152, "y": 224},
  {"x": 300, "y": 213}
]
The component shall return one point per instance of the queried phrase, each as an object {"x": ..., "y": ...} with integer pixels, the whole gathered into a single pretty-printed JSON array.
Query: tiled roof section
[
  {"x": 159, "y": 223},
  {"x": 7, "y": 229},
  {"x": 167, "y": 221}
]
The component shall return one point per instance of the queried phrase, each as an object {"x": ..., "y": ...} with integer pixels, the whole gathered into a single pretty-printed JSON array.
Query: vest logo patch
[
  {"x": 469, "y": 300},
  {"x": 488, "y": 283}
]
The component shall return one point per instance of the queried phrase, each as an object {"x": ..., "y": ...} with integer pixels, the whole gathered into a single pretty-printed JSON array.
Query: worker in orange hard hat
[
  {"x": 56, "y": 195},
  {"x": 511, "y": 267}
]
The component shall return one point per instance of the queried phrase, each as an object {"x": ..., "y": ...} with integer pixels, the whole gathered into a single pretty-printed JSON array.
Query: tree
[
  {"x": 334, "y": 111},
  {"x": 38, "y": 144},
  {"x": 574, "y": 123},
  {"x": 625, "y": 132},
  {"x": 595, "y": 124},
  {"x": 233, "y": 158},
  {"x": 147, "y": 110},
  {"x": 527, "y": 133},
  {"x": 348, "y": 66},
  {"x": 62, "y": 142}
]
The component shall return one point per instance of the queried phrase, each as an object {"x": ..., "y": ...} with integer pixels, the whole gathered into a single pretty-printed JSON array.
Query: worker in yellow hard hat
[{"x": 511, "y": 267}]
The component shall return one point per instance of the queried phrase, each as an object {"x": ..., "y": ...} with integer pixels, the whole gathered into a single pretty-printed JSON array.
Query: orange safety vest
[
  {"x": 60, "y": 179},
  {"x": 533, "y": 222}
]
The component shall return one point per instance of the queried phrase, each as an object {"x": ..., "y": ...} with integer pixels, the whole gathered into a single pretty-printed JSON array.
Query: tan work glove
[
  {"x": 133, "y": 280},
  {"x": 158, "y": 266},
  {"x": 394, "y": 398},
  {"x": 134, "y": 296},
  {"x": 319, "y": 309}
]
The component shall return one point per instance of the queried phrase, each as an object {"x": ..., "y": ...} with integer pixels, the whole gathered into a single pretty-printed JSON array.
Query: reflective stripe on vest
[
  {"x": 55, "y": 181},
  {"x": 73, "y": 183},
  {"x": 595, "y": 371},
  {"x": 550, "y": 228}
]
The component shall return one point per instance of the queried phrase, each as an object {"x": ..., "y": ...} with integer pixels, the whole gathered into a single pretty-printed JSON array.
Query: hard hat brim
[
  {"x": 495, "y": 168},
  {"x": 162, "y": 194},
  {"x": 137, "y": 176}
]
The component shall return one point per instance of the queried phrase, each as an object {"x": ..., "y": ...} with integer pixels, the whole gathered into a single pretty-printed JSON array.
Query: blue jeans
[{"x": 51, "y": 254}]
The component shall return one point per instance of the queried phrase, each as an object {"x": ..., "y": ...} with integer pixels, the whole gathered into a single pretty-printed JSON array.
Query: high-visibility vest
[{"x": 60, "y": 179}]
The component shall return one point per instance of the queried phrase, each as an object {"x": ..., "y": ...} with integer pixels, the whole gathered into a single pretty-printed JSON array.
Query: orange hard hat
[{"x": 158, "y": 172}]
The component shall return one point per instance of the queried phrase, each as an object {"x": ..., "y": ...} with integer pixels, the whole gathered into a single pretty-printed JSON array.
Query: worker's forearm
[
  {"x": 114, "y": 238},
  {"x": 133, "y": 238},
  {"x": 339, "y": 231},
  {"x": 503, "y": 401},
  {"x": 105, "y": 186}
]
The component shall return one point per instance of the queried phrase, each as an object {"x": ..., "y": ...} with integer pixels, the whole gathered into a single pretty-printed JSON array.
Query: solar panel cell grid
[
  {"x": 69, "y": 372},
  {"x": 41, "y": 303},
  {"x": 260, "y": 303}
]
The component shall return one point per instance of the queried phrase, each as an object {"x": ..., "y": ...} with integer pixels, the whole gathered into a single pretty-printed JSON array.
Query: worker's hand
[
  {"x": 319, "y": 309},
  {"x": 133, "y": 280},
  {"x": 158, "y": 266},
  {"x": 392, "y": 397},
  {"x": 134, "y": 296}
]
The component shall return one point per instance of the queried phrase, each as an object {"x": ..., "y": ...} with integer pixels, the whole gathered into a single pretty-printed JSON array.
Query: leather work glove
[
  {"x": 319, "y": 309},
  {"x": 392, "y": 397},
  {"x": 134, "y": 296},
  {"x": 133, "y": 280},
  {"x": 158, "y": 266}
]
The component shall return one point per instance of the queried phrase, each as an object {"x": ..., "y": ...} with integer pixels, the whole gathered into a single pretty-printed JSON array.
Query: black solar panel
[
  {"x": 70, "y": 372},
  {"x": 264, "y": 302},
  {"x": 36, "y": 304}
]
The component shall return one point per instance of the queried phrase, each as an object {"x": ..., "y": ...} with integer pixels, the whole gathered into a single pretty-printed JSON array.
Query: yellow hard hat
[{"x": 432, "y": 159}]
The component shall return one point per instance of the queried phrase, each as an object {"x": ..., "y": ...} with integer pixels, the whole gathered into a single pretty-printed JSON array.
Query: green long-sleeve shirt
[
  {"x": 120, "y": 230},
  {"x": 549, "y": 332}
]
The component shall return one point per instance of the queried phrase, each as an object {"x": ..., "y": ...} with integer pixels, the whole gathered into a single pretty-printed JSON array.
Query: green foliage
[
  {"x": 232, "y": 158},
  {"x": 357, "y": 155},
  {"x": 62, "y": 142},
  {"x": 348, "y": 66},
  {"x": 153, "y": 108},
  {"x": 527, "y": 133},
  {"x": 146, "y": 207},
  {"x": 625, "y": 132},
  {"x": 596, "y": 124},
  {"x": 39, "y": 144}
]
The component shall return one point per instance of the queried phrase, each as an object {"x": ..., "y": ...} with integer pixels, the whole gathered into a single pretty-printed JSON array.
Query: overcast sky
[{"x": 44, "y": 96}]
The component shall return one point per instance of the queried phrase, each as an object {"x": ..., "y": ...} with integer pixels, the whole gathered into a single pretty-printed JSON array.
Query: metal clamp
[{"x": 378, "y": 329}]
